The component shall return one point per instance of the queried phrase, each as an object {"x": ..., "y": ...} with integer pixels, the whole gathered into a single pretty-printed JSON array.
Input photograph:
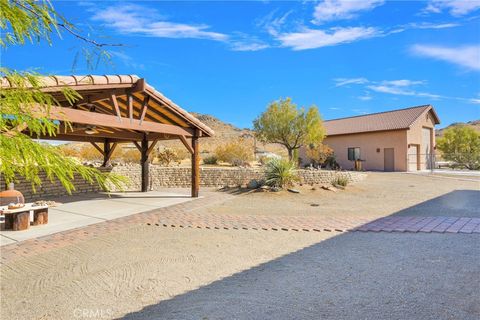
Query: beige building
[{"x": 399, "y": 140}]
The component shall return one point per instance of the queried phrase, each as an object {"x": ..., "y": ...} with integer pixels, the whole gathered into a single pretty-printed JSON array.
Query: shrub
[
  {"x": 280, "y": 173},
  {"x": 237, "y": 153},
  {"x": 131, "y": 156},
  {"x": 331, "y": 163},
  {"x": 340, "y": 181},
  {"x": 461, "y": 145},
  {"x": 69, "y": 150},
  {"x": 318, "y": 154},
  {"x": 181, "y": 154},
  {"x": 212, "y": 159},
  {"x": 166, "y": 157},
  {"x": 89, "y": 153}
]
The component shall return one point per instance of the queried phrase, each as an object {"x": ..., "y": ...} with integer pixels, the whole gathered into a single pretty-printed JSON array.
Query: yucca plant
[{"x": 280, "y": 173}]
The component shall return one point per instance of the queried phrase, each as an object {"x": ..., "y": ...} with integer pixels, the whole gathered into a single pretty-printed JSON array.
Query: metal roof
[{"x": 382, "y": 121}]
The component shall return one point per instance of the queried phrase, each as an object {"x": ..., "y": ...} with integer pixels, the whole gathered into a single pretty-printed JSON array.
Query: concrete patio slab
[{"x": 86, "y": 209}]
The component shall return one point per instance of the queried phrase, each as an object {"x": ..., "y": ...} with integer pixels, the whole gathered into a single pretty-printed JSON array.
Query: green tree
[
  {"x": 461, "y": 144},
  {"x": 35, "y": 21},
  {"x": 286, "y": 124}
]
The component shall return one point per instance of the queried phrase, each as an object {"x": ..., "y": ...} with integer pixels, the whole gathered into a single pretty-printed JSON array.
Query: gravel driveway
[{"x": 351, "y": 276}]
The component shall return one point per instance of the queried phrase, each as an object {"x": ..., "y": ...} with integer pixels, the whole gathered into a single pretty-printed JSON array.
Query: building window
[{"x": 353, "y": 154}]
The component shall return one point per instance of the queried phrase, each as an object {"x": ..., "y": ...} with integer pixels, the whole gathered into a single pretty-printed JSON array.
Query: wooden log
[
  {"x": 40, "y": 216},
  {"x": 21, "y": 221}
]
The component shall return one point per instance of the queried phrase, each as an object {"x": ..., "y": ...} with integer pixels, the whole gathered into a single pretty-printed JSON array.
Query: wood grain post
[
  {"x": 106, "y": 153},
  {"x": 195, "y": 166},
  {"x": 144, "y": 163}
]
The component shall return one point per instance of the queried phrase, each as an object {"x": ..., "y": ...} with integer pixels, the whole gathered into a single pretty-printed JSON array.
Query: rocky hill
[{"x": 475, "y": 124}]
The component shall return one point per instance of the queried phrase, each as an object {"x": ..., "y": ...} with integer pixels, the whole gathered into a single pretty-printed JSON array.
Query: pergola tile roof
[
  {"x": 94, "y": 90},
  {"x": 382, "y": 121}
]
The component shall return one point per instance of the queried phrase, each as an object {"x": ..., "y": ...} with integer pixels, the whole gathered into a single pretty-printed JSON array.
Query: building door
[
  {"x": 389, "y": 159},
  {"x": 413, "y": 155}
]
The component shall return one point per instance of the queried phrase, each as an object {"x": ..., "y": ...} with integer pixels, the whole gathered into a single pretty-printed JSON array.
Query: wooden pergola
[{"x": 118, "y": 109}]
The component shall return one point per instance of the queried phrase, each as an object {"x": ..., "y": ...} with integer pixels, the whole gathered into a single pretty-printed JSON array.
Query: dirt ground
[
  {"x": 149, "y": 272},
  {"x": 380, "y": 194}
]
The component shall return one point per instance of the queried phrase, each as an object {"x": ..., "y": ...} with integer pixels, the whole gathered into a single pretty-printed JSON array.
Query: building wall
[
  {"x": 414, "y": 137},
  {"x": 369, "y": 143}
]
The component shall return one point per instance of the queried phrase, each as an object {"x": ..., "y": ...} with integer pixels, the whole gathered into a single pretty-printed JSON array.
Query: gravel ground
[
  {"x": 380, "y": 194},
  {"x": 351, "y": 276}
]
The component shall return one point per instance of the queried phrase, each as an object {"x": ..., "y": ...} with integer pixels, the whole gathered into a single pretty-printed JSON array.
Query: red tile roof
[{"x": 382, "y": 121}]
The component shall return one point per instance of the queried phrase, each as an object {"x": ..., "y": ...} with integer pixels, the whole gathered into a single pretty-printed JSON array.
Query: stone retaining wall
[{"x": 178, "y": 177}]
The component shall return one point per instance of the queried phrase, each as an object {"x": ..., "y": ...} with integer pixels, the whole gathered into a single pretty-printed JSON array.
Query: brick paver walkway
[{"x": 184, "y": 216}]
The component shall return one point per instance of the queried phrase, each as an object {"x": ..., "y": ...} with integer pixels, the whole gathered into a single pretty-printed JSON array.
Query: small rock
[
  {"x": 313, "y": 189},
  {"x": 253, "y": 184},
  {"x": 274, "y": 189},
  {"x": 329, "y": 188},
  {"x": 314, "y": 205},
  {"x": 293, "y": 190}
]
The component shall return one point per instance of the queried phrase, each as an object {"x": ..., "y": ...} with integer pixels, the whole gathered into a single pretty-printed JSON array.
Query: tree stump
[
  {"x": 21, "y": 221},
  {"x": 40, "y": 216}
]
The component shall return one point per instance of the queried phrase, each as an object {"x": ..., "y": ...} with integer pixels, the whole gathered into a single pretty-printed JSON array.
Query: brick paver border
[{"x": 183, "y": 215}]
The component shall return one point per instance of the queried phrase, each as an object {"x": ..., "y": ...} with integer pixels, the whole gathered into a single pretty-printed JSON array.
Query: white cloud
[
  {"x": 403, "y": 83},
  {"x": 134, "y": 19},
  {"x": 456, "y": 8},
  {"x": 248, "y": 46},
  {"x": 346, "y": 81},
  {"x": 127, "y": 60},
  {"x": 365, "y": 97},
  {"x": 330, "y": 10},
  {"x": 308, "y": 38},
  {"x": 466, "y": 56}
]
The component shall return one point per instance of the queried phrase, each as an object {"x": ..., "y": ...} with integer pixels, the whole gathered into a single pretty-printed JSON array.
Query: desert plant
[
  {"x": 89, "y": 153},
  {"x": 181, "y": 153},
  {"x": 318, "y": 154},
  {"x": 38, "y": 22},
  {"x": 462, "y": 145},
  {"x": 340, "y": 181},
  {"x": 166, "y": 157},
  {"x": 69, "y": 151},
  {"x": 131, "y": 156},
  {"x": 281, "y": 173},
  {"x": 237, "y": 153},
  {"x": 212, "y": 159},
  {"x": 292, "y": 127},
  {"x": 331, "y": 162}
]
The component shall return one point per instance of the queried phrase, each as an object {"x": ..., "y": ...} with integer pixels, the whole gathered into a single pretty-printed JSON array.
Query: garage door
[
  {"x": 413, "y": 158},
  {"x": 426, "y": 152}
]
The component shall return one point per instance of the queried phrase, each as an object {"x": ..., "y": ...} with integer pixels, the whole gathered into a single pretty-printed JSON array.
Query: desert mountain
[{"x": 475, "y": 124}]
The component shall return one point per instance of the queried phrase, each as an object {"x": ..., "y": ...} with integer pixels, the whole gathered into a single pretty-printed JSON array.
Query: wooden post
[
  {"x": 144, "y": 163},
  {"x": 106, "y": 153},
  {"x": 195, "y": 166}
]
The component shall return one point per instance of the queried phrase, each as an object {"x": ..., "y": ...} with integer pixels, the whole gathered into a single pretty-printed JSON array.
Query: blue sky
[{"x": 230, "y": 59}]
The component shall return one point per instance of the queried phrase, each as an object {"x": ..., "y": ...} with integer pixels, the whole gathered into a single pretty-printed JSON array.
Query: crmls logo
[{"x": 92, "y": 313}]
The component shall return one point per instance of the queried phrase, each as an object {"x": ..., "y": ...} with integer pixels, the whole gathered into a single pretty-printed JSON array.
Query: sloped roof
[
  {"x": 382, "y": 121},
  {"x": 160, "y": 108}
]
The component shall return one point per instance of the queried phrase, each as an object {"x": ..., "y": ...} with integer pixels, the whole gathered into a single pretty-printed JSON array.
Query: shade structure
[{"x": 122, "y": 109}]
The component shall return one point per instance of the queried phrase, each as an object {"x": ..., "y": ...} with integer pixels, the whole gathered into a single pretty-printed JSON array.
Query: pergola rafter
[{"x": 122, "y": 109}]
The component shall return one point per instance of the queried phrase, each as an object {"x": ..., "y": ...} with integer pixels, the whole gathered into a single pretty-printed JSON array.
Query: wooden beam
[
  {"x": 144, "y": 163},
  {"x": 125, "y": 135},
  {"x": 195, "y": 166},
  {"x": 137, "y": 145},
  {"x": 98, "y": 119},
  {"x": 130, "y": 107},
  {"x": 152, "y": 145},
  {"x": 98, "y": 148},
  {"x": 187, "y": 144},
  {"x": 113, "y": 99},
  {"x": 112, "y": 149},
  {"x": 144, "y": 108}
]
